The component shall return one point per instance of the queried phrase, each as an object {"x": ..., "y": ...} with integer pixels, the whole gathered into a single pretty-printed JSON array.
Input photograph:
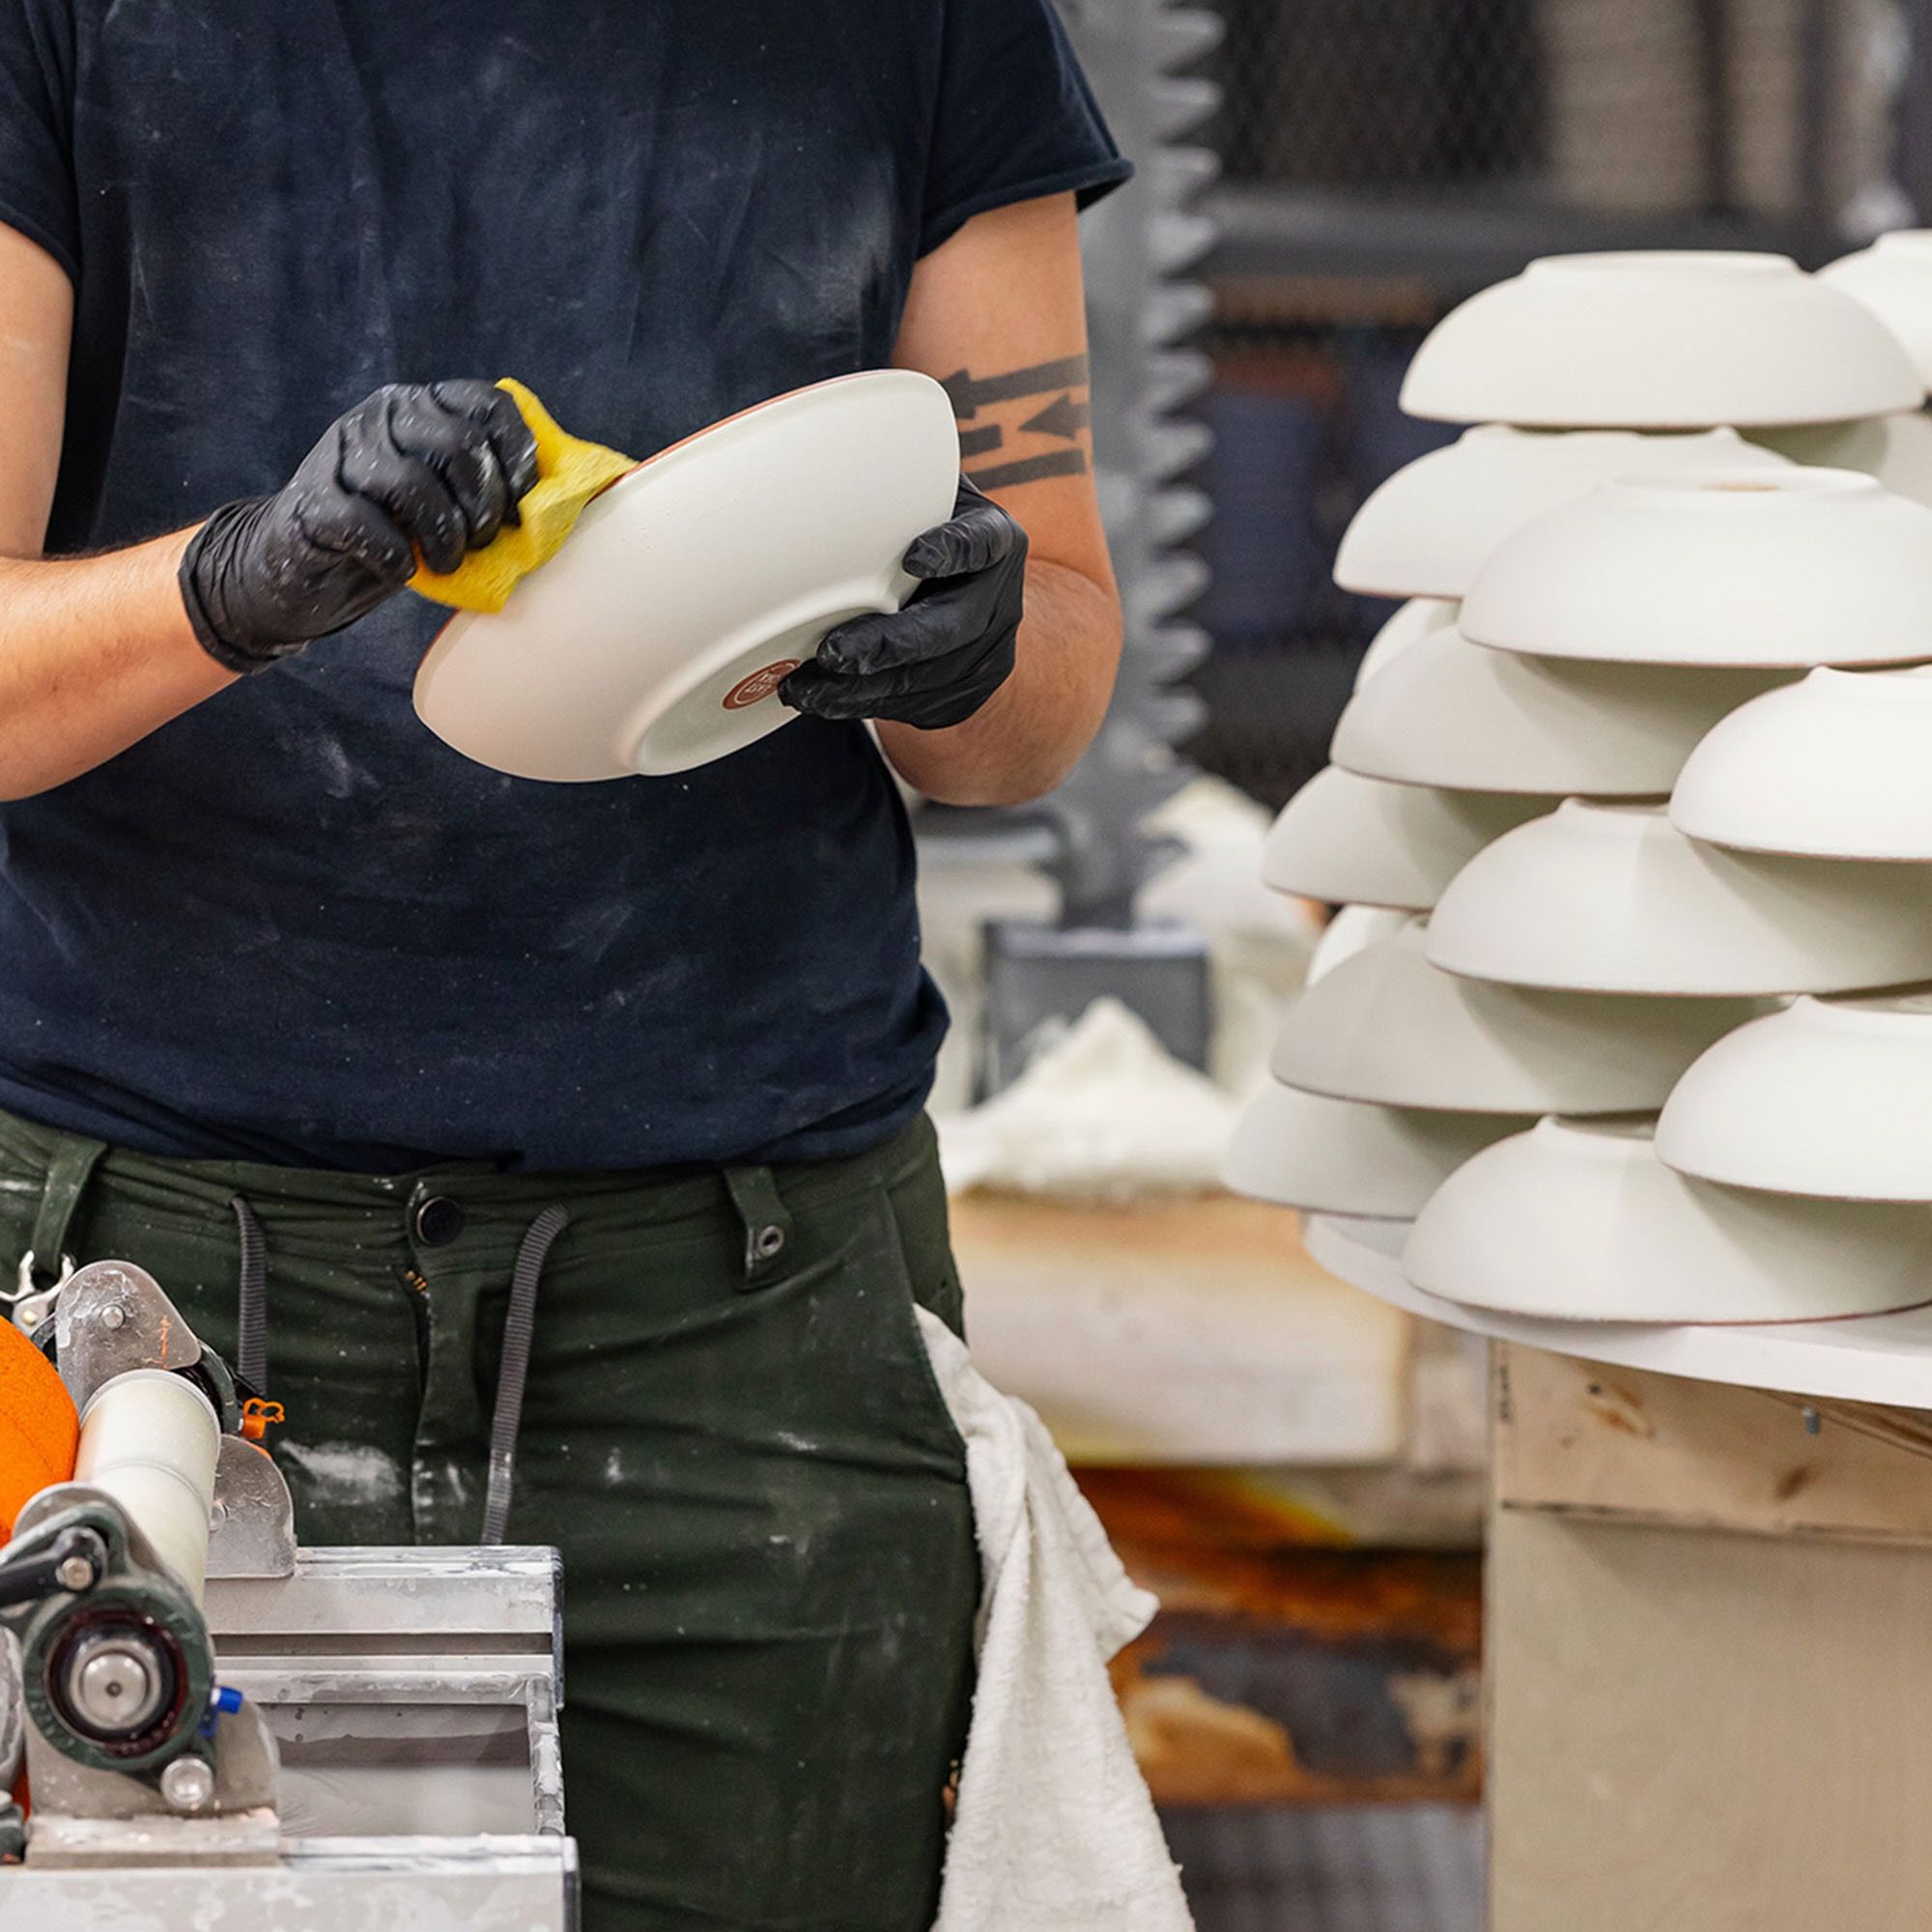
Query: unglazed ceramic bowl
[
  {"x": 1615, "y": 899},
  {"x": 1352, "y": 930},
  {"x": 1415, "y": 619},
  {"x": 1387, "y": 1026},
  {"x": 1428, "y": 529},
  {"x": 1894, "y": 451},
  {"x": 1450, "y": 714},
  {"x": 1775, "y": 568},
  {"x": 1336, "y": 1158},
  {"x": 1660, "y": 340},
  {"x": 1388, "y": 1239},
  {"x": 1582, "y": 1222},
  {"x": 1830, "y": 1097},
  {"x": 657, "y": 638},
  {"x": 1838, "y": 766},
  {"x": 1350, "y": 841},
  {"x": 1893, "y": 279}
]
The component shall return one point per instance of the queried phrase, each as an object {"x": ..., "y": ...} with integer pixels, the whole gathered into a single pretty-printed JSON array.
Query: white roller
[{"x": 150, "y": 1440}]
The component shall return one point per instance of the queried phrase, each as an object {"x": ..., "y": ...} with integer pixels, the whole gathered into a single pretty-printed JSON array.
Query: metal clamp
[{"x": 30, "y": 1303}]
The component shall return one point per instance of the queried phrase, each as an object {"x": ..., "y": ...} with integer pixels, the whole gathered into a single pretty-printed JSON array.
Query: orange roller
[{"x": 38, "y": 1429}]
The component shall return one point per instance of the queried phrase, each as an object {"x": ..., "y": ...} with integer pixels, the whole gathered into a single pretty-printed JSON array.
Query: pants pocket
[{"x": 924, "y": 1277}]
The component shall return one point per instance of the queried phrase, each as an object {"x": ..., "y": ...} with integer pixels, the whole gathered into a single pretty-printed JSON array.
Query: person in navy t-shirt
[{"x": 273, "y": 958}]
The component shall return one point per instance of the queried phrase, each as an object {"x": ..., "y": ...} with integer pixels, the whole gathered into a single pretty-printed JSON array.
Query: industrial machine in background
[
  {"x": 220, "y": 1727},
  {"x": 1089, "y": 835}
]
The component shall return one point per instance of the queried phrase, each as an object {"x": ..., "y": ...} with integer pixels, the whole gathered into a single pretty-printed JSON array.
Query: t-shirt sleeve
[
  {"x": 1016, "y": 118},
  {"x": 37, "y": 191}
]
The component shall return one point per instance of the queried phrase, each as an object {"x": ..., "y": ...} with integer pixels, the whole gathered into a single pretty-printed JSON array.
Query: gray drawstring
[
  {"x": 251, "y": 1326},
  {"x": 519, "y": 1328},
  {"x": 251, "y": 1343}
]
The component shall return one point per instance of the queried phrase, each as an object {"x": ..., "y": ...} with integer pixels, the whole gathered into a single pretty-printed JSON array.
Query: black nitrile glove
[
  {"x": 435, "y": 468},
  {"x": 937, "y": 660}
]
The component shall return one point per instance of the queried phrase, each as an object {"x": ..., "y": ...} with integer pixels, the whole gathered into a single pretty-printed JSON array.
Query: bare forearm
[
  {"x": 1030, "y": 734},
  {"x": 98, "y": 652},
  {"x": 95, "y": 653}
]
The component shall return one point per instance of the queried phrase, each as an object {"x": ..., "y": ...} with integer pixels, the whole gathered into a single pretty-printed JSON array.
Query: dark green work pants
[{"x": 730, "y": 1429}]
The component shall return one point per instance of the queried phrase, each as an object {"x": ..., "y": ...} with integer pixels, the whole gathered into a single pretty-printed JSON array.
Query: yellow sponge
[{"x": 570, "y": 472}]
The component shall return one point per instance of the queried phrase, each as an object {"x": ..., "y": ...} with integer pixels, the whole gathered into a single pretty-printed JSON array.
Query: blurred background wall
[{"x": 1382, "y": 158}]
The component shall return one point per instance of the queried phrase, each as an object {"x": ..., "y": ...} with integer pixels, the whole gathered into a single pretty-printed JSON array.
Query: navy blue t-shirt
[{"x": 294, "y": 926}]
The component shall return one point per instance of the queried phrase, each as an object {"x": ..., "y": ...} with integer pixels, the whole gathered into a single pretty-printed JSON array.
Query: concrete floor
[{"x": 1387, "y": 1868}]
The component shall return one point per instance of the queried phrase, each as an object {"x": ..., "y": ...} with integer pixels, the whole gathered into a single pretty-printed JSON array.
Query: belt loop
[
  {"x": 74, "y": 1159},
  {"x": 767, "y": 1221}
]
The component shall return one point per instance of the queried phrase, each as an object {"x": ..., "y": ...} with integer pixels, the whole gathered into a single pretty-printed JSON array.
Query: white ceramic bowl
[
  {"x": 1659, "y": 341},
  {"x": 1385, "y": 1238},
  {"x": 1838, "y": 766},
  {"x": 1777, "y": 568},
  {"x": 1893, "y": 279},
  {"x": 1415, "y": 619},
  {"x": 1585, "y": 1223},
  {"x": 1337, "y": 1157},
  {"x": 1895, "y": 451},
  {"x": 1387, "y": 1026},
  {"x": 657, "y": 638},
  {"x": 1615, "y": 899},
  {"x": 1352, "y": 930},
  {"x": 1448, "y": 713},
  {"x": 1827, "y": 1097},
  {"x": 1428, "y": 528},
  {"x": 1350, "y": 841}
]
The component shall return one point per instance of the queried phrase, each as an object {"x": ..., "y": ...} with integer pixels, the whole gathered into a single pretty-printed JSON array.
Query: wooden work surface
[{"x": 1193, "y": 1330}]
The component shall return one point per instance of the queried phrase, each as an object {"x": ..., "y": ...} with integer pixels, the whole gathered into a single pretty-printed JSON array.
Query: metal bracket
[
  {"x": 253, "y": 1526},
  {"x": 113, "y": 1316},
  {"x": 83, "y": 1817}
]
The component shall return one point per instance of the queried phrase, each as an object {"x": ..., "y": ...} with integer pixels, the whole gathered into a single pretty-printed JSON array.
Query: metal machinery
[
  {"x": 1138, "y": 245},
  {"x": 223, "y": 1730}
]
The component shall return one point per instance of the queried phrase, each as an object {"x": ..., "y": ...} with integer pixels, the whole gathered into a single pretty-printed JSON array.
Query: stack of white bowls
[{"x": 1644, "y": 827}]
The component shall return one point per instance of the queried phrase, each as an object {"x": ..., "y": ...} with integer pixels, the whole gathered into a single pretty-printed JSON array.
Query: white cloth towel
[{"x": 1053, "y": 1831}]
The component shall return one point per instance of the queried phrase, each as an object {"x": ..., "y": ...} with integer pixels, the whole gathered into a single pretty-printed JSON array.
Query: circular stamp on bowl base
[{"x": 760, "y": 685}]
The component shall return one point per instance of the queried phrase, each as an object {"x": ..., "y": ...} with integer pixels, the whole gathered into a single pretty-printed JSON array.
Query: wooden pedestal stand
[{"x": 1709, "y": 1624}]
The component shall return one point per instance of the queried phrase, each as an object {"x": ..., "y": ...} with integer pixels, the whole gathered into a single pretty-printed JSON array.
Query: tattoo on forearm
[
  {"x": 1063, "y": 419},
  {"x": 1030, "y": 469},
  {"x": 970, "y": 393}
]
